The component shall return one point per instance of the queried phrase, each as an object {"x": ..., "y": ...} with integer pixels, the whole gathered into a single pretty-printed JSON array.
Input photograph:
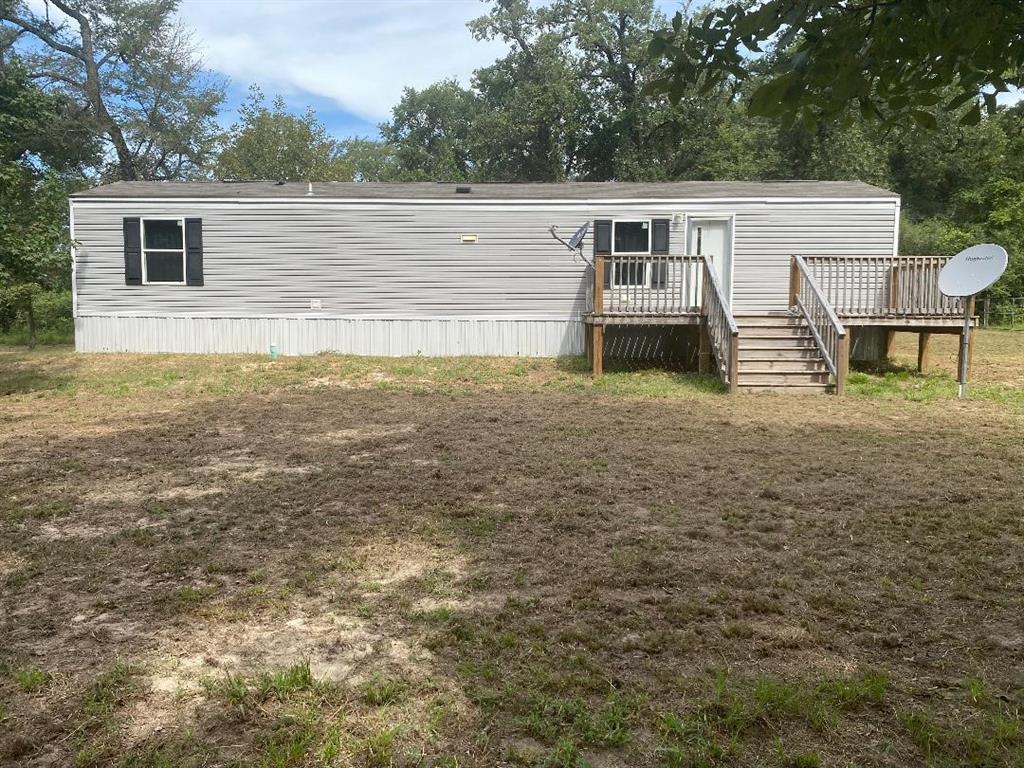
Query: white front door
[{"x": 713, "y": 238}]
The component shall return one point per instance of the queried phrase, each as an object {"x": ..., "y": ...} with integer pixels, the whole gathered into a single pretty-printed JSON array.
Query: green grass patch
[
  {"x": 18, "y": 337},
  {"x": 61, "y": 371},
  {"x": 380, "y": 690},
  {"x": 194, "y": 595},
  {"x": 991, "y": 735},
  {"x": 98, "y": 732},
  {"x": 904, "y": 384},
  {"x": 30, "y": 679}
]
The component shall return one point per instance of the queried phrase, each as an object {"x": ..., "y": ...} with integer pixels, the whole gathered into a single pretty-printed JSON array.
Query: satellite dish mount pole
[{"x": 965, "y": 345}]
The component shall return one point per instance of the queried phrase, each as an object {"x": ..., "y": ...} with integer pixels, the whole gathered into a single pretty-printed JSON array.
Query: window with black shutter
[{"x": 163, "y": 251}]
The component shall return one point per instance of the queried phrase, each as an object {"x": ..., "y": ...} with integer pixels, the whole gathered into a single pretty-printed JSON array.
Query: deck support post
[
  {"x": 596, "y": 346},
  {"x": 794, "y": 281},
  {"x": 843, "y": 363},
  {"x": 890, "y": 342},
  {"x": 734, "y": 364},
  {"x": 923, "y": 359},
  {"x": 704, "y": 349}
]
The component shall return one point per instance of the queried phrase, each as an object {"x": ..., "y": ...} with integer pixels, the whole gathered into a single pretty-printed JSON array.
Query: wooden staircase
[{"x": 777, "y": 353}]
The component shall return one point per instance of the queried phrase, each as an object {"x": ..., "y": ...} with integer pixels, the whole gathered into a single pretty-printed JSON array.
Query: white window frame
[
  {"x": 184, "y": 249},
  {"x": 645, "y": 281}
]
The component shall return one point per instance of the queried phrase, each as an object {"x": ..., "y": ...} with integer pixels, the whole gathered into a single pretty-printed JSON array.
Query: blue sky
[{"x": 348, "y": 59}]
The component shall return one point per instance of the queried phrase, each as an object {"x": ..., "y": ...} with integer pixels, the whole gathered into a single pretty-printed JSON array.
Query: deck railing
[
  {"x": 647, "y": 285},
  {"x": 883, "y": 286},
  {"x": 808, "y": 298},
  {"x": 641, "y": 286},
  {"x": 723, "y": 333}
]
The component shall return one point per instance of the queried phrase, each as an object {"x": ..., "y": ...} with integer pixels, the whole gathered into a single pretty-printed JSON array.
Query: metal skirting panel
[{"x": 310, "y": 336}]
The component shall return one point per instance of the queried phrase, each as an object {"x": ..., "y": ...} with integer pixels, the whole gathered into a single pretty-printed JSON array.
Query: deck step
[
  {"x": 777, "y": 342},
  {"x": 751, "y": 321},
  {"x": 788, "y": 389},
  {"x": 804, "y": 365},
  {"x": 780, "y": 331},
  {"x": 777, "y": 353},
  {"x": 782, "y": 378}
]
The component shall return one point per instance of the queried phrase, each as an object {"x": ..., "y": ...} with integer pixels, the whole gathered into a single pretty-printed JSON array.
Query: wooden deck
[{"x": 828, "y": 297}]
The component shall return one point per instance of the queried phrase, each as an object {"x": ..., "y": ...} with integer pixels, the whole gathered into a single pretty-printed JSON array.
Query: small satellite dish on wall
[
  {"x": 574, "y": 243},
  {"x": 577, "y": 238},
  {"x": 972, "y": 270},
  {"x": 969, "y": 272}
]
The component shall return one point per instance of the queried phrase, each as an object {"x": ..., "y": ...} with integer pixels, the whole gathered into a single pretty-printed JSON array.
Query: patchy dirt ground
[
  {"x": 998, "y": 355},
  {"x": 348, "y": 562}
]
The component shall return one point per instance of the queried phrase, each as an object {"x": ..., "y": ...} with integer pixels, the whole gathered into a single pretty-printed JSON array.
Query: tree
[
  {"x": 40, "y": 152},
  {"x": 583, "y": 64},
  {"x": 271, "y": 143},
  {"x": 135, "y": 74},
  {"x": 433, "y": 131},
  {"x": 533, "y": 117},
  {"x": 370, "y": 160},
  {"x": 895, "y": 60}
]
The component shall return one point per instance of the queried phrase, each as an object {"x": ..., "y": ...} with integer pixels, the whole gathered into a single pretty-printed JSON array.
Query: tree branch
[
  {"x": 42, "y": 34},
  {"x": 49, "y": 74}
]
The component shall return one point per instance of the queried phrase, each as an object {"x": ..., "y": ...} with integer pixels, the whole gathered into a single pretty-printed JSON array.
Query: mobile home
[{"x": 756, "y": 281}]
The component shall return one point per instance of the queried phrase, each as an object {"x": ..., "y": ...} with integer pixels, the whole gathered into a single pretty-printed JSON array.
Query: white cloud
[{"x": 357, "y": 53}]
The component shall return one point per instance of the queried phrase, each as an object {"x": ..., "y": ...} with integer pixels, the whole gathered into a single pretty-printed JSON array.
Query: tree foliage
[
  {"x": 897, "y": 93},
  {"x": 268, "y": 142},
  {"x": 40, "y": 150},
  {"x": 135, "y": 75},
  {"x": 896, "y": 61}
]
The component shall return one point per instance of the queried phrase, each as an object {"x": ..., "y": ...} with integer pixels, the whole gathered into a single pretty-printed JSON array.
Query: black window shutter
[
  {"x": 603, "y": 236},
  {"x": 132, "y": 251},
  {"x": 603, "y": 246},
  {"x": 659, "y": 236},
  {"x": 193, "y": 251}
]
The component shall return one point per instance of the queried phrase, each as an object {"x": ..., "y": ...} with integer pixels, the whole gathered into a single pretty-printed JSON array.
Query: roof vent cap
[{"x": 463, "y": 190}]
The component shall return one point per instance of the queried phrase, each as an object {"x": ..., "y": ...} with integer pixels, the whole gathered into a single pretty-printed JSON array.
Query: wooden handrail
[
  {"x": 830, "y": 336},
  {"x": 723, "y": 333}
]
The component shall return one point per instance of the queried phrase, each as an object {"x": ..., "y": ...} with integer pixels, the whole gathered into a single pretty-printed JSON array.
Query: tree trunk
[
  {"x": 93, "y": 91},
  {"x": 30, "y": 309}
]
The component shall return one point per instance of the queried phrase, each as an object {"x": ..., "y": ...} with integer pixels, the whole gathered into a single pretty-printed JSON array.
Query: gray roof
[{"x": 427, "y": 190}]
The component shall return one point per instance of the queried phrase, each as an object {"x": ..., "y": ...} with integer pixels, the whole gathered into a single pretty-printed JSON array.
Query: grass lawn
[{"x": 341, "y": 561}]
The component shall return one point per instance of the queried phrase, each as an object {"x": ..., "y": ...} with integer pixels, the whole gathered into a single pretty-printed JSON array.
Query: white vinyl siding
[{"x": 405, "y": 260}]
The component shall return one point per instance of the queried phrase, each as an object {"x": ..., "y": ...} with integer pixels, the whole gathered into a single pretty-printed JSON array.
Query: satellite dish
[
  {"x": 577, "y": 238},
  {"x": 972, "y": 270},
  {"x": 574, "y": 242},
  {"x": 969, "y": 272}
]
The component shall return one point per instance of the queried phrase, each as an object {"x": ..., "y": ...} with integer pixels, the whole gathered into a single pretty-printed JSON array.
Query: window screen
[
  {"x": 163, "y": 250},
  {"x": 164, "y": 267},
  {"x": 164, "y": 235},
  {"x": 632, "y": 237}
]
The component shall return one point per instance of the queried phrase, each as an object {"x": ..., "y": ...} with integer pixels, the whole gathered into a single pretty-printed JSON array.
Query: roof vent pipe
[{"x": 309, "y": 190}]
